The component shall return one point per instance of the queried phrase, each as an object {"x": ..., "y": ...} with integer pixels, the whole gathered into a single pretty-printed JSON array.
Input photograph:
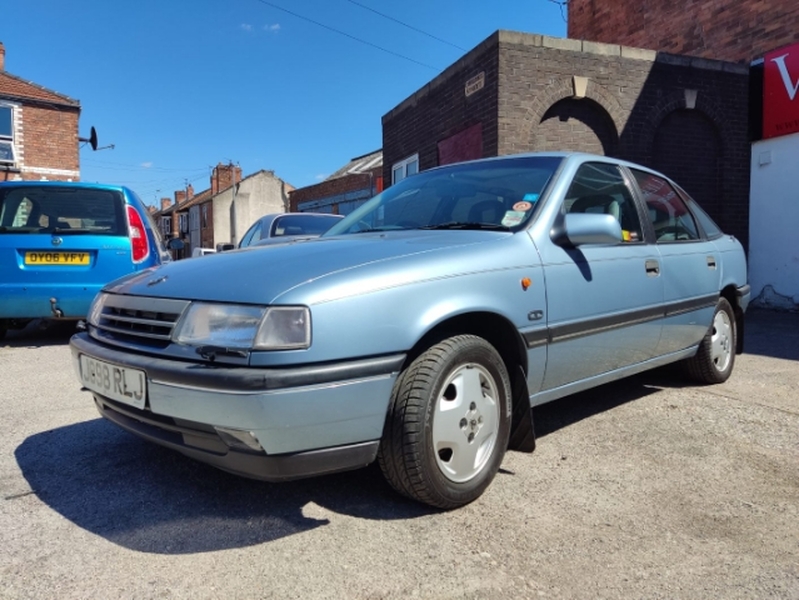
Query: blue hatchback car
[
  {"x": 421, "y": 329},
  {"x": 61, "y": 242}
]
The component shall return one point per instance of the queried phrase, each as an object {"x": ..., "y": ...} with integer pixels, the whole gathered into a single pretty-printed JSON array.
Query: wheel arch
[
  {"x": 731, "y": 295},
  {"x": 498, "y": 331}
]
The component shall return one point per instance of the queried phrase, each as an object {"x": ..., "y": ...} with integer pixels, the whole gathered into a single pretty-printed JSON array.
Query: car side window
[
  {"x": 670, "y": 216},
  {"x": 600, "y": 188}
]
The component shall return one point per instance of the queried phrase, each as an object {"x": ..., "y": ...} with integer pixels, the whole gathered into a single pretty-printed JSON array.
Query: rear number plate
[
  {"x": 122, "y": 384},
  {"x": 56, "y": 258}
]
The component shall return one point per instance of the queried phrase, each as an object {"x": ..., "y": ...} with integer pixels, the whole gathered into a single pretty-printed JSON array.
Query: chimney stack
[
  {"x": 180, "y": 196},
  {"x": 189, "y": 192},
  {"x": 166, "y": 203},
  {"x": 223, "y": 177},
  {"x": 2, "y": 57}
]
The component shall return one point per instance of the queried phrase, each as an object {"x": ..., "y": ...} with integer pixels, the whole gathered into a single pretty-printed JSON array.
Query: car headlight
[{"x": 245, "y": 327}]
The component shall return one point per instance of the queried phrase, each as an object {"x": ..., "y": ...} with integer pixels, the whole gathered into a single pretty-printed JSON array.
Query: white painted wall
[
  {"x": 257, "y": 195},
  {"x": 774, "y": 222}
]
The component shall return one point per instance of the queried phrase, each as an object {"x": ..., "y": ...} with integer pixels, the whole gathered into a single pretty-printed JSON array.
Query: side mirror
[
  {"x": 578, "y": 229},
  {"x": 175, "y": 244},
  {"x": 223, "y": 247}
]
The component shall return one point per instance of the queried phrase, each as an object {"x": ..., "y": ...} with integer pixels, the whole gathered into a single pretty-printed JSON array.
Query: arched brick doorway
[
  {"x": 687, "y": 147},
  {"x": 581, "y": 125}
]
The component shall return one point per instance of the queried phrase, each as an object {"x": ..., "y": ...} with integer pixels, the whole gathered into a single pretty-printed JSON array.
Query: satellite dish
[{"x": 92, "y": 139}]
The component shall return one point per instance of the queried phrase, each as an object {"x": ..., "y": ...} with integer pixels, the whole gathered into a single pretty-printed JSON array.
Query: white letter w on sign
[{"x": 790, "y": 86}]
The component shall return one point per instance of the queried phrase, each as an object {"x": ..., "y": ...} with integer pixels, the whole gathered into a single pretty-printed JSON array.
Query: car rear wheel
[
  {"x": 448, "y": 423},
  {"x": 715, "y": 358}
]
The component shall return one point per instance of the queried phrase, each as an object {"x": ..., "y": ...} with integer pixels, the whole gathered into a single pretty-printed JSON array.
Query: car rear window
[
  {"x": 302, "y": 225},
  {"x": 48, "y": 209}
]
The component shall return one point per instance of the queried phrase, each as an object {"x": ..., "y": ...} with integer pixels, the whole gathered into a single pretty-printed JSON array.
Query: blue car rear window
[{"x": 43, "y": 209}]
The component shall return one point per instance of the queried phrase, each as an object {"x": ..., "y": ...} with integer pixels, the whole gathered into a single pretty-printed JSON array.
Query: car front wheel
[{"x": 448, "y": 423}]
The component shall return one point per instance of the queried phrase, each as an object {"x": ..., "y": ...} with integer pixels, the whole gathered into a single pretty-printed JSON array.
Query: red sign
[{"x": 781, "y": 92}]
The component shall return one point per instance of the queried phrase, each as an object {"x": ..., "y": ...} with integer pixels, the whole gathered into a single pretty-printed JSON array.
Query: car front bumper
[{"x": 307, "y": 420}]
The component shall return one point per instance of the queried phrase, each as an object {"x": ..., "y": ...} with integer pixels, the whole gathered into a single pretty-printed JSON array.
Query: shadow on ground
[
  {"x": 40, "y": 333},
  {"x": 151, "y": 499}
]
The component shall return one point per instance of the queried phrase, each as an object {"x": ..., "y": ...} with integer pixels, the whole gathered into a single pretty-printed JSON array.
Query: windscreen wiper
[{"x": 467, "y": 225}]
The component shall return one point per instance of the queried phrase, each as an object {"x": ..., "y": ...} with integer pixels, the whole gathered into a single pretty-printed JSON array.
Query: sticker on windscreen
[
  {"x": 531, "y": 197},
  {"x": 513, "y": 218},
  {"x": 523, "y": 206}
]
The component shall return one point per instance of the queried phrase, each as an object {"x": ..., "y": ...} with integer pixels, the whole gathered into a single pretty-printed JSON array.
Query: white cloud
[
  {"x": 147, "y": 164},
  {"x": 246, "y": 27},
  {"x": 273, "y": 28},
  {"x": 320, "y": 177}
]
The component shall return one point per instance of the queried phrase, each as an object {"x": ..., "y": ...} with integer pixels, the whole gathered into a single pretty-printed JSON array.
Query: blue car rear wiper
[{"x": 465, "y": 225}]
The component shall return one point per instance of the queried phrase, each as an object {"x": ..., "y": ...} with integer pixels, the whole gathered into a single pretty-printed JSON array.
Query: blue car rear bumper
[{"x": 34, "y": 301}]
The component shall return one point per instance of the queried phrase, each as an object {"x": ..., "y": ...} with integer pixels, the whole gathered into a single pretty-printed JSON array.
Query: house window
[
  {"x": 205, "y": 216},
  {"x": 166, "y": 225},
  {"x": 7, "y": 155},
  {"x": 405, "y": 168},
  {"x": 183, "y": 222}
]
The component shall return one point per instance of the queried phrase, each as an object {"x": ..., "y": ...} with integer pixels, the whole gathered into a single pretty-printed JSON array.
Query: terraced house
[{"x": 38, "y": 130}]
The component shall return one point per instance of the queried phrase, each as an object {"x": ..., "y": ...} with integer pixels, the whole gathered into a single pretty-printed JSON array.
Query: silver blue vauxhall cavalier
[{"x": 422, "y": 328}]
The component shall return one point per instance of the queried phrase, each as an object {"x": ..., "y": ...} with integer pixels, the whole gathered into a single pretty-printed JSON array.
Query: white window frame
[
  {"x": 399, "y": 170},
  {"x": 9, "y": 140},
  {"x": 183, "y": 222}
]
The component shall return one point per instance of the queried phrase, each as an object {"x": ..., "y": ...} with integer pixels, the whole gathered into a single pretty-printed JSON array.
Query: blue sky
[{"x": 178, "y": 86}]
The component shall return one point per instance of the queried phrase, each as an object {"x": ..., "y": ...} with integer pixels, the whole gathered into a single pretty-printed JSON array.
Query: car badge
[
  {"x": 153, "y": 282},
  {"x": 56, "y": 241}
]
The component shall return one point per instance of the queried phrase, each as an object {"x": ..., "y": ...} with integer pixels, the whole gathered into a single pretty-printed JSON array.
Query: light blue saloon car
[{"x": 420, "y": 330}]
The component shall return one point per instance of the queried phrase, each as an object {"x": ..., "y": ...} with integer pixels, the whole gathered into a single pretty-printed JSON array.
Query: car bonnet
[{"x": 259, "y": 275}]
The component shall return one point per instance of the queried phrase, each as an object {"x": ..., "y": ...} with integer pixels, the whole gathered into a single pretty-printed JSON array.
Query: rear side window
[
  {"x": 712, "y": 230},
  {"x": 49, "y": 209},
  {"x": 670, "y": 216}
]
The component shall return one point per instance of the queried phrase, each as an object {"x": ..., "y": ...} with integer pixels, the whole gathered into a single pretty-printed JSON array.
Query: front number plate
[{"x": 128, "y": 386}]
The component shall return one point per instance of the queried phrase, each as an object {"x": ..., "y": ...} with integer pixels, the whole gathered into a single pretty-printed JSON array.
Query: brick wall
[
  {"x": 686, "y": 117},
  {"x": 733, "y": 30},
  {"x": 339, "y": 186},
  {"x": 442, "y": 108},
  {"x": 48, "y": 143}
]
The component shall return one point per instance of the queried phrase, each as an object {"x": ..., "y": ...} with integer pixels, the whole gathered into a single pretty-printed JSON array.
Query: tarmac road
[{"x": 647, "y": 488}]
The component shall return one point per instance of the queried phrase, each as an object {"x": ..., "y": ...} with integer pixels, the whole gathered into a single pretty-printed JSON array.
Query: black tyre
[
  {"x": 448, "y": 423},
  {"x": 715, "y": 358}
]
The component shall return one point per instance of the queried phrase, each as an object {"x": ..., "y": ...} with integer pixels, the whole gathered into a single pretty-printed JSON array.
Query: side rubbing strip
[
  {"x": 686, "y": 306},
  {"x": 561, "y": 333}
]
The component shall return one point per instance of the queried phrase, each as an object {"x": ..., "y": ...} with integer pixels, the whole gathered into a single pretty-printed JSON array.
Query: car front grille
[{"x": 140, "y": 319}]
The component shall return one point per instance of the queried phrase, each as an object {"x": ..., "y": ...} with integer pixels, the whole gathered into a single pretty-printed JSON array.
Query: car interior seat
[
  {"x": 598, "y": 203},
  {"x": 487, "y": 211}
]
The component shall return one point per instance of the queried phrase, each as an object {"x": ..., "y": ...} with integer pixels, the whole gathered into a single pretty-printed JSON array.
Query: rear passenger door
[
  {"x": 689, "y": 264},
  {"x": 604, "y": 301}
]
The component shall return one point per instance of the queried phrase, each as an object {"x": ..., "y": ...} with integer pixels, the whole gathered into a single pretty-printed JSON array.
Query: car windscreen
[
  {"x": 499, "y": 194},
  {"x": 64, "y": 210},
  {"x": 302, "y": 224}
]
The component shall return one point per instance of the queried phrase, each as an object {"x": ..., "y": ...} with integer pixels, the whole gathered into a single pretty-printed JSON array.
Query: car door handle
[
  {"x": 711, "y": 263},
  {"x": 652, "y": 268}
]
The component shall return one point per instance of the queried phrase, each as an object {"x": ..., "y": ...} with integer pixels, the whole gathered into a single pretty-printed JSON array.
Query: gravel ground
[{"x": 647, "y": 488}]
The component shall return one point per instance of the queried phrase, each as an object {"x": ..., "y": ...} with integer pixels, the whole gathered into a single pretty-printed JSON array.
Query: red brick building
[
  {"x": 518, "y": 92},
  {"x": 345, "y": 190},
  {"x": 38, "y": 131},
  {"x": 731, "y": 30}
]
